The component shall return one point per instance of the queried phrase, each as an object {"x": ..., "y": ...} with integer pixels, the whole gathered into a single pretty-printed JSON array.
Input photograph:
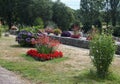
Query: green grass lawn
[
  {"x": 55, "y": 71},
  {"x": 46, "y": 72}
]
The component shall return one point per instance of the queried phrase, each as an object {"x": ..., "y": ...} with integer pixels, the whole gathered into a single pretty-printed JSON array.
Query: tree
[
  {"x": 118, "y": 15},
  {"x": 111, "y": 11},
  {"x": 90, "y": 11},
  {"x": 77, "y": 15},
  {"x": 34, "y": 9},
  {"x": 8, "y": 11},
  {"x": 25, "y": 13},
  {"x": 43, "y": 9},
  {"x": 63, "y": 16},
  {"x": 114, "y": 4},
  {"x": 19, "y": 11}
]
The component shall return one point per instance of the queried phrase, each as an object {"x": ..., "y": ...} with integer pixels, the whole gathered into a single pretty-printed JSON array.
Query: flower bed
[
  {"x": 24, "y": 38},
  {"x": 66, "y": 34},
  {"x": 45, "y": 48},
  {"x": 42, "y": 57},
  {"x": 75, "y": 36}
]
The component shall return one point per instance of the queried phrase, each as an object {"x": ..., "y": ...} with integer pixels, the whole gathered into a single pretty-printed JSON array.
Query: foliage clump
[
  {"x": 24, "y": 38},
  {"x": 57, "y": 31},
  {"x": 116, "y": 31},
  {"x": 102, "y": 49}
]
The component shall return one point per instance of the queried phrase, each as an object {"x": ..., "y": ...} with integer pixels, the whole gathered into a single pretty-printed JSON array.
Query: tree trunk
[{"x": 113, "y": 18}]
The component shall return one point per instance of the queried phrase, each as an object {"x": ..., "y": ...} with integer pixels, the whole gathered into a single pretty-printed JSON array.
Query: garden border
[{"x": 81, "y": 43}]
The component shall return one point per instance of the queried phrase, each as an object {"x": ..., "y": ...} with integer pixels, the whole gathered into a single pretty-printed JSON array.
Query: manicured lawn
[{"x": 71, "y": 69}]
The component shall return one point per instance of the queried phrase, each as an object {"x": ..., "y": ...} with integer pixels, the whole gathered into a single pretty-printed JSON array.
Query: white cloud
[{"x": 75, "y": 4}]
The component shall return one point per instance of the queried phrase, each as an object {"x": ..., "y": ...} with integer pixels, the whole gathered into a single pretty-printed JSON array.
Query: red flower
[
  {"x": 75, "y": 36},
  {"x": 41, "y": 56}
]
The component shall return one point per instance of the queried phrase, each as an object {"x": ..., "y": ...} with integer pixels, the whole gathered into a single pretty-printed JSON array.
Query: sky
[{"x": 74, "y": 4}]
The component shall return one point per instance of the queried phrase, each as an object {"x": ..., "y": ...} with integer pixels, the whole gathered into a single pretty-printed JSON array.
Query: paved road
[{"x": 8, "y": 77}]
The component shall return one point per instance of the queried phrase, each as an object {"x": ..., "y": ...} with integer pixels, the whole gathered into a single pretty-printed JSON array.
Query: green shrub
[
  {"x": 38, "y": 24},
  {"x": 24, "y": 38},
  {"x": 38, "y": 21},
  {"x": 4, "y": 28},
  {"x": 29, "y": 29},
  {"x": 57, "y": 31},
  {"x": 102, "y": 49},
  {"x": 116, "y": 31},
  {"x": 35, "y": 29}
]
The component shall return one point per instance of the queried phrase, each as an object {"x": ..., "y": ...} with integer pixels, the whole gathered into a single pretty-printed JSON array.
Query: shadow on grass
[{"x": 88, "y": 77}]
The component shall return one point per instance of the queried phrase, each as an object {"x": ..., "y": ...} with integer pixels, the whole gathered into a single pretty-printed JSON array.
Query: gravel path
[{"x": 8, "y": 77}]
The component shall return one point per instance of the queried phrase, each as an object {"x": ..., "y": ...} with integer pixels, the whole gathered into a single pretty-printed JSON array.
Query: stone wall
[
  {"x": 118, "y": 50},
  {"x": 81, "y": 43}
]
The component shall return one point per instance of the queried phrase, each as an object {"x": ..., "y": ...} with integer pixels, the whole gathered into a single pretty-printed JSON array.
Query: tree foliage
[
  {"x": 25, "y": 14},
  {"x": 102, "y": 10},
  {"x": 114, "y": 4},
  {"x": 43, "y": 9},
  {"x": 63, "y": 16},
  {"x": 34, "y": 9},
  {"x": 25, "y": 11},
  {"x": 8, "y": 10},
  {"x": 90, "y": 12}
]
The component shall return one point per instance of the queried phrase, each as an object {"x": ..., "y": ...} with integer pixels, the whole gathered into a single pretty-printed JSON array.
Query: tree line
[
  {"x": 93, "y": 12},
  {"x": 25, "y": 12}
]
